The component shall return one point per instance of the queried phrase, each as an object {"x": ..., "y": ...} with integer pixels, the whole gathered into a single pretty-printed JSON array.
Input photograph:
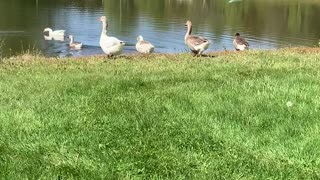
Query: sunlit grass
[{"x": 252, "y": 115}]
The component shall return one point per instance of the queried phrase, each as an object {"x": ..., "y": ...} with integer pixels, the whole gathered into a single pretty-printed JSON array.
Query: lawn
[{"x": 251, "y": 115}]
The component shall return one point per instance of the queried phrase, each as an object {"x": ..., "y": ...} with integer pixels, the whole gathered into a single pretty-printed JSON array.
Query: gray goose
[
  {"x": 239, "y": 43},
  {"x": 197, "y": 44}
]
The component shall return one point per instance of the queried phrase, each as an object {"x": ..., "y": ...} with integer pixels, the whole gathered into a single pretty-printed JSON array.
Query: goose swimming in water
[
  {"x": 239, "y": 43},
  {"x": 55, "y": 38},
  {"x": 57, "y": 35},
  {"x": 73, "y": 44},
  {"x": 197, "y": 44},
  {"x": 144, "y": 47},
  {"x": 50, "y": 32},
  {"x": 109, "y": 45}
]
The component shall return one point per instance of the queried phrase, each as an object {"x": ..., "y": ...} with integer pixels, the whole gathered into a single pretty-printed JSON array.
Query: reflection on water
[{"x": 265, "y": 23}]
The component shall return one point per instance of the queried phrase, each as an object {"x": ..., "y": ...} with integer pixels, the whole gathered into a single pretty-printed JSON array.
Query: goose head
[
  {"x": 139, "y": 38},
  {"x": 188, "y": 24},
  {"x": 47, "y": 30},
  {"x": 237, "y": 34},
  {"x": 103, "y": 19},
  {"x": 71, "y": 38}
]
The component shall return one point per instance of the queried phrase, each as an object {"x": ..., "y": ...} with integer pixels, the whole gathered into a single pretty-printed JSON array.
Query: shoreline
[{"x": 212, "y": 54}]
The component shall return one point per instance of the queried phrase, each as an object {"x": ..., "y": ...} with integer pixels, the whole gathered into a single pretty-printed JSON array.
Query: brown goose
[
  {"x": 239, "y": 43},
  {"x": 197, "y": 44},
  {"x": 73, "y": 44}
]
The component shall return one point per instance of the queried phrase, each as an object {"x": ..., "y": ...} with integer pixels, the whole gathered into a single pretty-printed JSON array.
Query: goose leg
[
  {"x": 200, "y": 52},
  {"x": 194, "y": 52}
]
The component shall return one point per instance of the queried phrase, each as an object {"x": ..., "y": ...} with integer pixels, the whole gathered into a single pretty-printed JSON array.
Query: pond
[{"x": 267, "y": 24}]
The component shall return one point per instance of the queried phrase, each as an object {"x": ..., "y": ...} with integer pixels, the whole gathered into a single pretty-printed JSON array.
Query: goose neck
[
  {"x": 104, "y": 27},
  {"x": 189, "y": 31},
  {"x": 71, "y": 40}
]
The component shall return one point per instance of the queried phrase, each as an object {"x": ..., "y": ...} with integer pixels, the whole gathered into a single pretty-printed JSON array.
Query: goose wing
[
  {"x": 145, "y": 44},
  {"x": 196, "y": 40},
  {"x": 110, "y": 41},
  {"x": 144, "y": 47},
  {"x": 62, "y": 31},
  {"x": 240, "y": 41},
  {"x": 59, "y": 31}
]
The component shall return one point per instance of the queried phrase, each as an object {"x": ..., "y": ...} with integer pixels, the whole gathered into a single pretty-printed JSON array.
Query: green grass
[{"x": 162, "y": 117}]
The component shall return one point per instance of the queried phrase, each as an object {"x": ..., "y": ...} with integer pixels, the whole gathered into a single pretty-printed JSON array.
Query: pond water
[{"x": 267, "y": 24}]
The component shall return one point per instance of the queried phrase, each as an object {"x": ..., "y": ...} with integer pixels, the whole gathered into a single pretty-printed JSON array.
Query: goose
[
  {"x": 50, "y": 32},
  {"x": 57, "y": 35},
  {"x": 239, "y": 43},
  {"x": 55, "y": 38},
  {"x": 197, "y": 44},
  {"x": 73, "y": 44},
  {"x": 109, "y": 45},
  {"x": 144, "y": 47}
]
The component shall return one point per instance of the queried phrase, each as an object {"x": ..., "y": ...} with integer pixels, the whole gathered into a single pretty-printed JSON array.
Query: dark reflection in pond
[{"x": 265, "y": 23}]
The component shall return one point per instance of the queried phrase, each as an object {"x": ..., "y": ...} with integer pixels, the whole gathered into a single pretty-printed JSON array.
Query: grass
[
  {"x": 1, "y": 47},
  {"x": 252, "y": 115}
]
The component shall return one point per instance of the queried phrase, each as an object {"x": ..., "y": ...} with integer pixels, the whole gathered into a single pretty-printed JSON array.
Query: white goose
[
  {"x": 73, "y": 44},
  {"x": 57, "y": 35},
  {"x": 50, "y": 32},
  {"x": 144, "y": 47},
  {"x": 197, "y": 44},
  {"x": 109, "y": 45}
]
